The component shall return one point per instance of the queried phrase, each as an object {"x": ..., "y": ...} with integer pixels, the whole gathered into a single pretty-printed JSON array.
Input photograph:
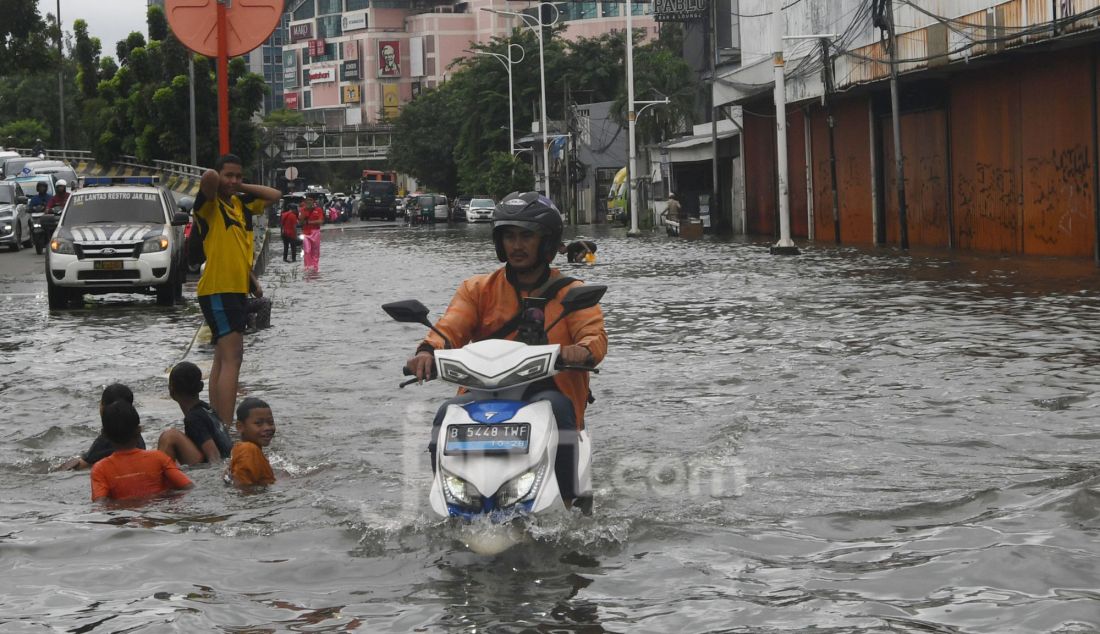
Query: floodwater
[{"x": 844, "y": 441}]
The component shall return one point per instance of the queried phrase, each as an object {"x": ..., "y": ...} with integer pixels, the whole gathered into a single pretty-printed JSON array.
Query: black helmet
[
  {"x": 531, "y": 211},
  {"x": 42, "y": 186}
]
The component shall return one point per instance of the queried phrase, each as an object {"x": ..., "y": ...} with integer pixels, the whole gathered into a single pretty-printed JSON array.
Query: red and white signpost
[{"x": 223, "y": 29}]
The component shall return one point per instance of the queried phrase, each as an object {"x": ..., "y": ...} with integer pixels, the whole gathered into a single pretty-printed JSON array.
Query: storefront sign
[
  {"x": 322, "y": 75},
  {"x": 679, "y": 10},
  {"x": 316, "y": 48},
  {"x": 290, "y": 100},
  {"x": 350, "y": 70},
  {"x": 290, "y": 68},
  {"x": 353, "y": 21},
  {"x": 351, "y": 94},
  {"x": 299, "y": 32},
  {"x": 350, "y": 49}
]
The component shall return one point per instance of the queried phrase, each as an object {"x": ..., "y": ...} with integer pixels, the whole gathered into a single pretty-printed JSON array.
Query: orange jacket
[{"x": 484, "y": 303}]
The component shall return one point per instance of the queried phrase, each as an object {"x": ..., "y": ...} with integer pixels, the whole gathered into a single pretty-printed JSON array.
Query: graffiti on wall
[{"x": 1059, "y": 194}]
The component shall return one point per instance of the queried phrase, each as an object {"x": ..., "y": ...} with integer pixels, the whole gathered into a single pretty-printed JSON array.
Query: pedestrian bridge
[{"x": 291, "y": 145}]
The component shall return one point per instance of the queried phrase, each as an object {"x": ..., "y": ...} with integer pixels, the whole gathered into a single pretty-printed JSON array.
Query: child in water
[
  {"x": 101, "y": 446},
  {"x": 248, "y": 466},
  {"x": 204, "y": 437},
  {"x": 129, "y": 471}
]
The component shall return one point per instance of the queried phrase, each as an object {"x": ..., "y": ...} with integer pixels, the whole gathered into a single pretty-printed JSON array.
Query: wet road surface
[{"x": 849, "y": 440}]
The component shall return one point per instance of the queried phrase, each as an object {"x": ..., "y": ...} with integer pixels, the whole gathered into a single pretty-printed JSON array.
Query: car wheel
[{"x": 58, "y": 296}]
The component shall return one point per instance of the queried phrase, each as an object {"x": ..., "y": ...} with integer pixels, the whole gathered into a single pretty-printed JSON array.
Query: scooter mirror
[
  {"x": 410, "y": 311},
  {"x": 581, "y": 297}
]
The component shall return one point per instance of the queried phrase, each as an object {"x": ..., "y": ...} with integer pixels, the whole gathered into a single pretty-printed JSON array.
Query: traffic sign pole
[{"x": 223, "y": 80}]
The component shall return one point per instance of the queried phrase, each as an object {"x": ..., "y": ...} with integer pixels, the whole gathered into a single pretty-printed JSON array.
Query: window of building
[
  {"x": 307, "y": 99},
  {"x": 610, "y": 9},
  {"x": 326, "y": 7},
  {"x": 328, "y": 26},
  {"x": 304, "y": 12},
  {"x": 356, "y": 5}
]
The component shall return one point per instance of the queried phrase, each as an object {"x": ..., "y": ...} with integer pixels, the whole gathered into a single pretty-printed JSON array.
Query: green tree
[
  {"x": 24, "y": 39},
  {"x": 23, "y": 132},
  {"x": 507, "y": 174},
  {"x": 282, "y": 118},
  {"x": 425, "y": 134}
]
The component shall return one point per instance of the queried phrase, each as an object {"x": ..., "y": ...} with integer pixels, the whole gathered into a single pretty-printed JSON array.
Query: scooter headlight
[
  {"x": 521, "y": 488},
  {"x": 460, "y": 492},
  {"x": 155, "y": 244}
]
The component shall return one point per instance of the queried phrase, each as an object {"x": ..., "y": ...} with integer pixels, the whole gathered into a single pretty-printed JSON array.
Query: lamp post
[
  {"x": 531, "y": 22},
  {"x": 508, "y": 63},
  {"x": 60, "y": 79}
]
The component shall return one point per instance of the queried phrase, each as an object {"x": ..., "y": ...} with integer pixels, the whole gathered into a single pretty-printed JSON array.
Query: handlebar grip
[
  {"x": 582, "y": 368},
  {"x": 406, "y": 371}
]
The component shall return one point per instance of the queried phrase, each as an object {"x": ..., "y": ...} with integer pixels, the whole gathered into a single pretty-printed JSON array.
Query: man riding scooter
[
  {"x": 42, "y": 225},
  {"x": 527, "y": 230},
  {"x": 60, "y": 198}
]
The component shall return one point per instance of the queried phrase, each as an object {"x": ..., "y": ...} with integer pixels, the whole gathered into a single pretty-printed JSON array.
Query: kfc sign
[
  {"x": 299, "y": 32},
  {"x": 322, "y": 75}
]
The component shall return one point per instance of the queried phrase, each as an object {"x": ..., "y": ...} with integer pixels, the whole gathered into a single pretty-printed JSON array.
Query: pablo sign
[{"x": 679, "y": 10}]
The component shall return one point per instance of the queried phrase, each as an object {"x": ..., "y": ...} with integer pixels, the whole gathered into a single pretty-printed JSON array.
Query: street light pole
[
  {"x": 60, "y": 77},
  {"x": 632, "y": 169},
  {"x": 542, "y": 77},
  {"x": 508, "y": 63}
]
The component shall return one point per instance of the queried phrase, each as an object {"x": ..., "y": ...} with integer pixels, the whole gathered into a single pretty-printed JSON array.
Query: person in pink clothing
[{"x": 312, "y": 219}]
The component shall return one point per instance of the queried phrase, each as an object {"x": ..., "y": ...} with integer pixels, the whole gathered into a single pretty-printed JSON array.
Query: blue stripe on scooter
[{"x": 493, "y": 411}]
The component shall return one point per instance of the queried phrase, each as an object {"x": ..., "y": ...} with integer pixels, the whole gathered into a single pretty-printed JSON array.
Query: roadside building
[
  {"x": 998, "y": 106},
  {"x": 359, "y": 61}
]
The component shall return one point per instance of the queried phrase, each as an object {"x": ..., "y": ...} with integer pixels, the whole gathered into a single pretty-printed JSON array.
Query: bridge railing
[{"x": 125, "y": 160}]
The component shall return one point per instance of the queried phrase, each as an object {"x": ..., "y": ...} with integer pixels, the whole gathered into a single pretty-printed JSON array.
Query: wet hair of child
[{"x": 120, "y": 422}]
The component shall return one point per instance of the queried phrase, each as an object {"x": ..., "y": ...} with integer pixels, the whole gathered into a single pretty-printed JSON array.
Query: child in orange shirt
[
  {"x": 247, "y": 465},
  {"x": 129, "y": 471}
]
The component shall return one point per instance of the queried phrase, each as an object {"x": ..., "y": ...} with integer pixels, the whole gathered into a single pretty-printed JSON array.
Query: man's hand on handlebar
[
  {"x": 575, "y": 355},
  {"x": 421, "y": 365}
]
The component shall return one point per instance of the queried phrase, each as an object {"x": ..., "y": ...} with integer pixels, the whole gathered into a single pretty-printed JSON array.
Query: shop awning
[{"x": 697, "y": 146}]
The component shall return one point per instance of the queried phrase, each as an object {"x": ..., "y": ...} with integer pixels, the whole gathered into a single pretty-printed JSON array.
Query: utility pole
[
  {"x": 831, "y": 122},
  {"x": 894, "y": 108},
  {"x": 191, "y": 99},
  {"x": 785, "y": 246},
  {"x": 712, "y": 62},
  {"x": 632, "y": 166},
  {"x": 60, "y": 78}
]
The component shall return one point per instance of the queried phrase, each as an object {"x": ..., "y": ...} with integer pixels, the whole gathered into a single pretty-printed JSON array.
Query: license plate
[
  {"x": 503, "y": 438},
  {"x": 107, "y": 265}
]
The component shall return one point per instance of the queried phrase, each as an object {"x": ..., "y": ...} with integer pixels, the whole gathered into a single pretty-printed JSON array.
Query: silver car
[{"x": 15, "y": 220}]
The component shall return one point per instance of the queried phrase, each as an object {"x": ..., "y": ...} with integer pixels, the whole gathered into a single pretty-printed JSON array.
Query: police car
[{"x": 124, "y": 238}]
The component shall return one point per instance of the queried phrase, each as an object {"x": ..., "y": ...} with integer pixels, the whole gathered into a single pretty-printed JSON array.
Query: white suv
[{"x": 117, "y": 239}]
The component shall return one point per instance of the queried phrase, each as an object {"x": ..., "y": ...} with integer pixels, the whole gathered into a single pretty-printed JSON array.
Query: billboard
[
  {"x": 350, "y": 70},
  {"x": 416, "y": 57},
  {"x": 299, "y": 32},
  {"x": 316, "y": 48},
  {"x": 389, "y": 58},
  {"x": 322, "y": 75},
  {"x": 679, "y": 10},
  {"x": 391, "y": 101},
  {"x": 351, "y": 94},
  {"x": 290, "y": 100},
  {"x": 290, "y": 68}
]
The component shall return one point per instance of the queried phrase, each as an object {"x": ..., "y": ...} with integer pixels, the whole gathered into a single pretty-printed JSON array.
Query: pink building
[{"x": 349, "y": 62}]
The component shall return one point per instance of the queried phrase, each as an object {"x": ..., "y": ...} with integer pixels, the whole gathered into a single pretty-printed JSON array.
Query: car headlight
[
  {"x": 6, "y": 227},
  {"x": 154, "y": 244},
  {"x": 460, "y": 492},
  {"x": 62, "y": 246},
  {"x": 521, "y": 488}
]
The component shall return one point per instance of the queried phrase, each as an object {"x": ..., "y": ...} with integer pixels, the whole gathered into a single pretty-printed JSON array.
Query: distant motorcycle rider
[
  {"x": 60, "y": 198},
  {"x": 527, "y": 230},
  {"x": 42, "y": 196}
]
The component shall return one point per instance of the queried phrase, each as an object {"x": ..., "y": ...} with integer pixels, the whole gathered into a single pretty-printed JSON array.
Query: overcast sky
[{"x": 109, "y": 20}]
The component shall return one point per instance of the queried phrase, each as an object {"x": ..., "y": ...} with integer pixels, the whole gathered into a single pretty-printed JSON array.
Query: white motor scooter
[{"x": 495, "y": 455}]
